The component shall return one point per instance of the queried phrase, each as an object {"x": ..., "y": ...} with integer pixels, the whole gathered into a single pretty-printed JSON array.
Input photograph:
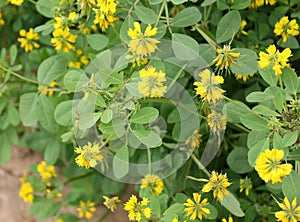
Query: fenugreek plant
[{"x": 196, "y": 103}]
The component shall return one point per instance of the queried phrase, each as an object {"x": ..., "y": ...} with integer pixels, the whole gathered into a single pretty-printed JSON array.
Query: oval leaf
[
  {"x": 228, "y": 26},
  {"x": 121, "y": 162},
  {"x": 145, "y": 115},
  {"x": 146, "y": 15},
  {"x": 187, "y": 17}
]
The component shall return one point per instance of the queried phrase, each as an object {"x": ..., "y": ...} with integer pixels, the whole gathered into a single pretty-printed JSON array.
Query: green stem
[
  {"x": 209, "y": 40},
  {"x": 149, "y": 159},
  {"x": 168, "y": 19},
  {"x": 19, "y": 76},
  {"x": 199, "y": 164},
  {"x": 160, "y": 13},
  {"x": 132, "y": 7},
  {"x": 79, "y": 177},
  {"x": 103, "y": 217},
  {"x": 33, "y": 2},
  {"x": 177, "y": 76}
]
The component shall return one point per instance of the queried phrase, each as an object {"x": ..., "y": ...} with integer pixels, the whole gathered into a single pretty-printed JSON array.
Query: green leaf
[
  {"x": 291, "y": 43},
  {"x": 279, "y": 101},
  {"x": 52, "y": 152},
  {"x": 51, "y": 69},
  {"x": 290, "y": 186},
  {"x": 63, "y": 113},
  {"x": 269, "y": 76},
  {"x": 177, "y": 2},
  {"x": 240, "y": 4},
  {"x": 233, "y": 205},
  {"x": 107, "y": 116},
  {"x": 146, "y": 15},
  {"x": 213, "y": 212},
  {"x": 13, "y": 115},
  {"x": 46, "y": 7},
  {"x": 255, "y": 150},
  {"x": 74, "y": 80},
  {"x": 228, "y": 26},
  {"x": 114, "y": 129},
  {"x": 5, "y": 149},
  {"x": 88, "y": 120},
  {"x": 144, "y": 115},
  {"x": 175, "y": 209},
  {"x": 128, "y": 23},
  {"x": 187, "y": 17},
  {"x": 121, "y": 162},
  {"x": 207, "y": 2},
  {"x": 254, "y": 122},
  {"x": 294, "y": 155},
  {"x": 255, "y": 97},
  {"x": 155, "y": 2},
  {"x": 97, "y": 41},
  {"x": 238, "y": 160},
  {"x": 45, "y": 114},
  {"x": 149, "y": 138},
  {"x": 246, "y": 63},
  {"x": 28, "y": 108},
  {"x": 289, "y": 78},
  {"x": 13, "y": 52},
  {"x": 265, "y": 111},
  {"x": 185, "y": 47},
  {"x": 277, "y": 141},
  {"x": 155, "y": 206},
  {"x": 234, "y": 110},
  {"x": 290, "y": 138}
]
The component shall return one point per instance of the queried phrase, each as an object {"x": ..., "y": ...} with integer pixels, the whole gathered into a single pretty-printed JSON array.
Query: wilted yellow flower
[
  {"x": 136, "y": 210},
  {"x": 47, "y": 90},
  {"x": 278, "y": 60},
  {"x": 152, "y": 83},
  {"x": 269, "y": 168},
  {"x": 16, "y": 2},
  {"x": 28, "y": 39},
  {"x": 285, "y": 28},
  {"x": 243, "y": 77},
  {"x": 194, "y": 140},
  {"x": 208, "y": 88},
  {"x": 154, "y": 183},
  {"x": 89, "y": 155},
  {"x": 86, "y": 209},
  {"x": 46, "y": 171},
  {"x": 245, "y": 184},
  {"x": 111, "y": 203},
  {"x": 105, "y": 13},
  {"x": 290, "y": 211},
  {"x": 225, "y": 57},
  {"x": 195, "y": 208},
  {"x": 218, "y": 184},
  {"x": 26, "y": 190},
  {"x": 216, "y": 121}
]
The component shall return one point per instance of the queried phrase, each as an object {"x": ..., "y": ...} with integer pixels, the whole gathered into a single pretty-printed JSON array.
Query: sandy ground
[{"x": 13, "y": 209}]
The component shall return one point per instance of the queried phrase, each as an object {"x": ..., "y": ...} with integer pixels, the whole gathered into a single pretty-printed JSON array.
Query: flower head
[
  {"x": 285, "y": 28},
  {"x": 269, "y": 168},
  {"x": 86, "y": 209},
  {"x": 278, "y": 60},
  {"x": 46, "y": 172},
  {"x": 208, "y": 88},
  {"x": 154, "y": 183},
  {"x": 243, "y": 24},
  {"x": 290, "y": 211},
  {"x": 194, "y": 140},
  {"x": 28, "y": 39},
  {"x": 152, "y": 83},
  {"x": 16, "y": 2},
  {"x": 89, "y": 155},
  {"x": 259, "y": 3},
  {"x": 226, "y": 57},
  {"x": 218, "y": 184},
  {"x": 229, "y": 219},
  {"x": 47, "y": 90},
  {"x": 216, "y": 121},
  {"x": 26, "y": 190},
  {"x": 137, "y": 209},
  {"x": 195, "y": 208},
  {"x": 243, "y": 77},
  {"x": 245, "y": 184},
  {"x": 111, "y": 203}
]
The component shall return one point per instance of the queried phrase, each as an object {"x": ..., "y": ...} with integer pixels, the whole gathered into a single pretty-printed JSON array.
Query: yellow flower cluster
[
  {"x": 15, "y": 2},
  {"x": 105, "y": 10},
  {"x": 63, "y": 39},
  {"x": 136, "y": 210},
  {"x": 154, "y": 183},
  {"x": 86, "y": 209},
  {"x": 290, "y": 211},
  {"x": 111, "y": 203},
  {"x": 245, "y": 184},
  {"x": 46, "y": 172},
  {"x": 152, "y": 83},
  {"x": 285, "y": 28},
  {"x": 269, "y": 168},
  {"x": 28, "y": 39},
  {"x": 194, "y": 140},
  {"x": 83, "y": 60},
  {"x": 195, "y": 208},
  {"x": 229, "y": 219},
  {"x": 216, "y": 121},
  {"x": 26, "y": 190},
  {"x": 208, "y": 88},
  {"x": 259, "y": 3},
  {"x": 218, "y": 184},
  {"x": 47, "y": 90},
  {"x": 225, "y": 57},
  {"x": 278, "y": 60},
  {"x": 141, "y": 44},
  {"x": 243, "y": 77},
  {"x": 89, "y": 155}
]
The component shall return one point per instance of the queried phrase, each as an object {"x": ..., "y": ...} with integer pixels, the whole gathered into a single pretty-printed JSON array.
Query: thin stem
[
  {"x": 160, "y": 13},
  {"x": 199, "y": 164},
  {"x": 149, "y": 159},
  {"x": 206, "y": 37},
  {"x": 168, "y": 19},
  {"x": 177, "y": 76},
  {"x": 132, "y": 7},
  {"x": 19, "y": 76},
  {"x": 103, "y": 217},
  {"x": 79, "y": 177}
]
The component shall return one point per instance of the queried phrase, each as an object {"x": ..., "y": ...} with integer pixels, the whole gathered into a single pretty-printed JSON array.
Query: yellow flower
[
  {"x": 141, "y": 44},
  {"x": 175, "y": 219},
  {"x": 136, "y": 210},
  {"x": 63, "y": 40},
  {"x": 194, "y": 140},
  {"x": 111, "y": 203},
  {"x": 216, "y": 121},
  {"x": 16, "y": 2},
  {"x": 86, "y": 209},
  {"x": 59, "y": 220},
  {"x": 195, "y": 208},
  {"x": 83, "y": 60},
  {"x": 217, "y": 183},
  {"x": 52, "y": 194},
  {"x": 28, "y": 39},
  {"x": 72, "y": 16},
  {"x": 243, "y": 77},
  {"x": 45, "y": 171},
  {"x": 289, "y": 212},
  {"x": 105, "y": 13},
  {"x": 2, "y": 22},
  {"x": 152, "y": 83},
  {"x": 245, "y": 184},
  {"x": 154, "y": 183},
  {"x": 229, "y": 219},
  {"x": 243, "y": 24},
  {"x": 208, "y": 88},
  {"x": 89, "y": 155},
  {"x": 278, "y": 60},
  {"x": 269, "y": 167},
  {"x": 259, "y": 3},
  {"x": 285, "y": 28},
  {"x": 225, "y": 57},
  {"x": 46, "y": 90},
  {"x": 26, "y": 190}
]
